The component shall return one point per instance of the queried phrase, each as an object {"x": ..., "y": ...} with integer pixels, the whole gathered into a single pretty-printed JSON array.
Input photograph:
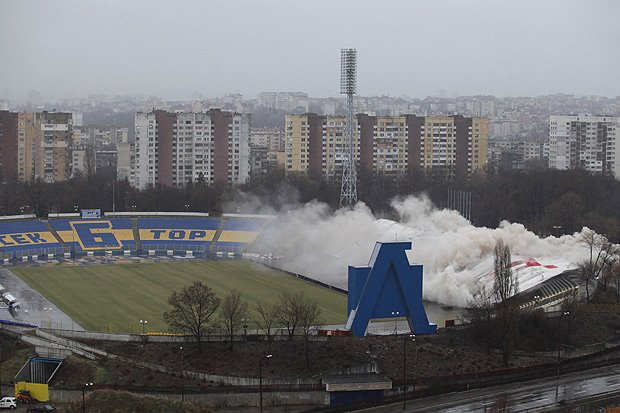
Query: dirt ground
[{"x": 447, "y": 353}]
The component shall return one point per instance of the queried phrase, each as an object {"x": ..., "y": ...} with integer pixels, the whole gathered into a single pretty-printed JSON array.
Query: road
[
  {"x": 517, "y": 397},
  {"x": 35, "y": 308}
]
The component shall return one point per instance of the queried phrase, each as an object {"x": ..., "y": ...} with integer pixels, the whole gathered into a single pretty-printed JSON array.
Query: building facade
[
  {"x": 286, "y": 101},
  {"x": 390, "y": 145},
  {"x": 173, "y": 149},
  {"x": 586, "y": 142},
  {"x": 8, "y": 146},
  {"x": 36, "y": 145}
]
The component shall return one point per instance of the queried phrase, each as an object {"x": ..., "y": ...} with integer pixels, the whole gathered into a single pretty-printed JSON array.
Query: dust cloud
[{"x": 320, "y": 243}]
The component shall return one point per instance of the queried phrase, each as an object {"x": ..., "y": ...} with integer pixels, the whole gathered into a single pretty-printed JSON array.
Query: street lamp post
[
  {"x": 394, "y": 315},
  {"x": 144, "y": 323},
  {"x": 182, "y": 375},
  {"x": 76, "y": 208},
  {"x": 186, "y": 207},
  {"x": 83, "y": 399},
  {"x": 260, "y": 379},
  {"x": 557, "y": 229},
  {"x": 49, "y": 315},
  {"x": 557, "y": 386},
  {"x": 415, "y": 361},
  {"x": 245, "y": 322},
  {"x": 412, "y": 337}
]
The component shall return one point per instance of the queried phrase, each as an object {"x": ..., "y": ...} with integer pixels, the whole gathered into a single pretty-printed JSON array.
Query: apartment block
[
  {"x": 269, "y": 137},
  {"x": 287, "y": 101},
  {"x": 584, "y": 141},
  {"x": 8, "y": 146},
  {"x": 453, "y": 143},
  {"x": 315, "y": 144},
  {"x": 390, "y": 145},
  {"x": 509, "y": 154},
  {"x": 42, "y": 147},
  {"x": 176, "y": 148}
]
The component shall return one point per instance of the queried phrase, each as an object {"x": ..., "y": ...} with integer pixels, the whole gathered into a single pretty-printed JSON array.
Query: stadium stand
[
  {"x": 29, "y": 240},
  {"x": 96, "y": 234},
  {"x": 238, "y": 233},
  {"x": 189, "y": 234},
  {"x": 30, "y": 237}
]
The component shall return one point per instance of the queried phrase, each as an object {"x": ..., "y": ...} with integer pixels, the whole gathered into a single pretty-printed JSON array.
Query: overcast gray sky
[{"x": 174, "y": 49}]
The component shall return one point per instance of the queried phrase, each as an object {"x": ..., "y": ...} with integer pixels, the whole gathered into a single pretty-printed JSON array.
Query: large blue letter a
[{"x": 389, "y": 287}]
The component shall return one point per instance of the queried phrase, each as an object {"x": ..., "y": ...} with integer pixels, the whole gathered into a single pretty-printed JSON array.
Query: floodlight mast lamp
[{"x": 348, "y": 84}]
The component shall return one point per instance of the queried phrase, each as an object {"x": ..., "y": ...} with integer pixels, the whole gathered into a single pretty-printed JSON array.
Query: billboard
[{"x": 91, "y": 213}]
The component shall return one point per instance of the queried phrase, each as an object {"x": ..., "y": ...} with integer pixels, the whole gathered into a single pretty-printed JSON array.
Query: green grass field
[{"x": 115, "y": 297}]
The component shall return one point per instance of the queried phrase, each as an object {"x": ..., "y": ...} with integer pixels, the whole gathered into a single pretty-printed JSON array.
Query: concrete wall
[
  {"x": 146, "y": 338},
  {"x": 221, "y": 399}
]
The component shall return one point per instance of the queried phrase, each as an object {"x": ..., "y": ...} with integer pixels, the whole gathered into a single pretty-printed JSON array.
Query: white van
[{"x": 8, "y": 403}]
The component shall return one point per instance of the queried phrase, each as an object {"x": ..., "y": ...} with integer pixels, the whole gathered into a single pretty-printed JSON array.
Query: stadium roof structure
[
  {"x": 542, "y": 278},
  {"x": 549, "y": 292}
]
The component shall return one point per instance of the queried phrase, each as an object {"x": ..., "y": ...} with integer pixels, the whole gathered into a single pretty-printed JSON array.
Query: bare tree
[
  {"x": 289, "y": 311},
  {"x": 309, "y": 317},
  {"x": 615, "y": 270},
  {"x": 234, "y": 309},
  {"x": 192, "y": 310},
  {"x": 607, "y": 274},
  {"x": 480, "y": 314},
  {"x": 602, "y": 255},
  {"x": 267, "y": 316},
  {"x": 505, "y": 287}
]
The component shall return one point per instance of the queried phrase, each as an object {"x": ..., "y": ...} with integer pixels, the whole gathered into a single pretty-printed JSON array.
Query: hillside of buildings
[{"x": 538, "y": 160}]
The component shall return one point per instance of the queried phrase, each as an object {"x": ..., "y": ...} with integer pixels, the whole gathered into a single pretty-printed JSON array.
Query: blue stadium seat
[
  {"x": 238, "y": 233},
  {"x": 177, "y": 233},
  {"x": 96, "y": 234},
  {"x": 31, "y": 237}
]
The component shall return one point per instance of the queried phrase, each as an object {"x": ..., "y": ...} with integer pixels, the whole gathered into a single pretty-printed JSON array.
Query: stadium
[
  {"x": 141, "y": 239},
  {"x": 154, "y": 254}
]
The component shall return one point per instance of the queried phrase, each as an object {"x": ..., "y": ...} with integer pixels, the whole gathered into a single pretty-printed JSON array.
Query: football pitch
[{"x": 116, "y": 297}]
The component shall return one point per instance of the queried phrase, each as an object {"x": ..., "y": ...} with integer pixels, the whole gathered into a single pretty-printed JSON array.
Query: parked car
[
  {"x": 8, "y": 403},
  {"x": 25, "y": 397},
  {"x": 40, "y": 408}
]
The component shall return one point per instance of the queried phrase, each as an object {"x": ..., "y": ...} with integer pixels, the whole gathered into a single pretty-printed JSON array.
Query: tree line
[
  {"x": 548, "y": 202},
  {"x": 196, "y": 309}
]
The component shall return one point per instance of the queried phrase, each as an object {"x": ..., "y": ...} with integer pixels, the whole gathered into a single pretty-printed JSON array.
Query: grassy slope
[{"x": 100, "y": 297}]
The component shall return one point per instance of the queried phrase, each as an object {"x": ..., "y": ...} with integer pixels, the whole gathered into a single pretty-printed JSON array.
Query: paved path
[{"x": 35, "y": 308}]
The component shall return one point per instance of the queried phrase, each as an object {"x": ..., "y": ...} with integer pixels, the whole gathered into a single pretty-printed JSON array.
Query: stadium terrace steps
[
  {"x": 136, "y": 233},
  {"x": 216, "y": 237},
  {"x": 238, "y": 233},
  {"x": 54, "y": 233},
  {"x": 548, "y": 292}
]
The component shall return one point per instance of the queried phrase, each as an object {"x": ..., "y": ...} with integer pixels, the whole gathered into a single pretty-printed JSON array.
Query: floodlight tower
[{"x": 348, "y": 80}]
